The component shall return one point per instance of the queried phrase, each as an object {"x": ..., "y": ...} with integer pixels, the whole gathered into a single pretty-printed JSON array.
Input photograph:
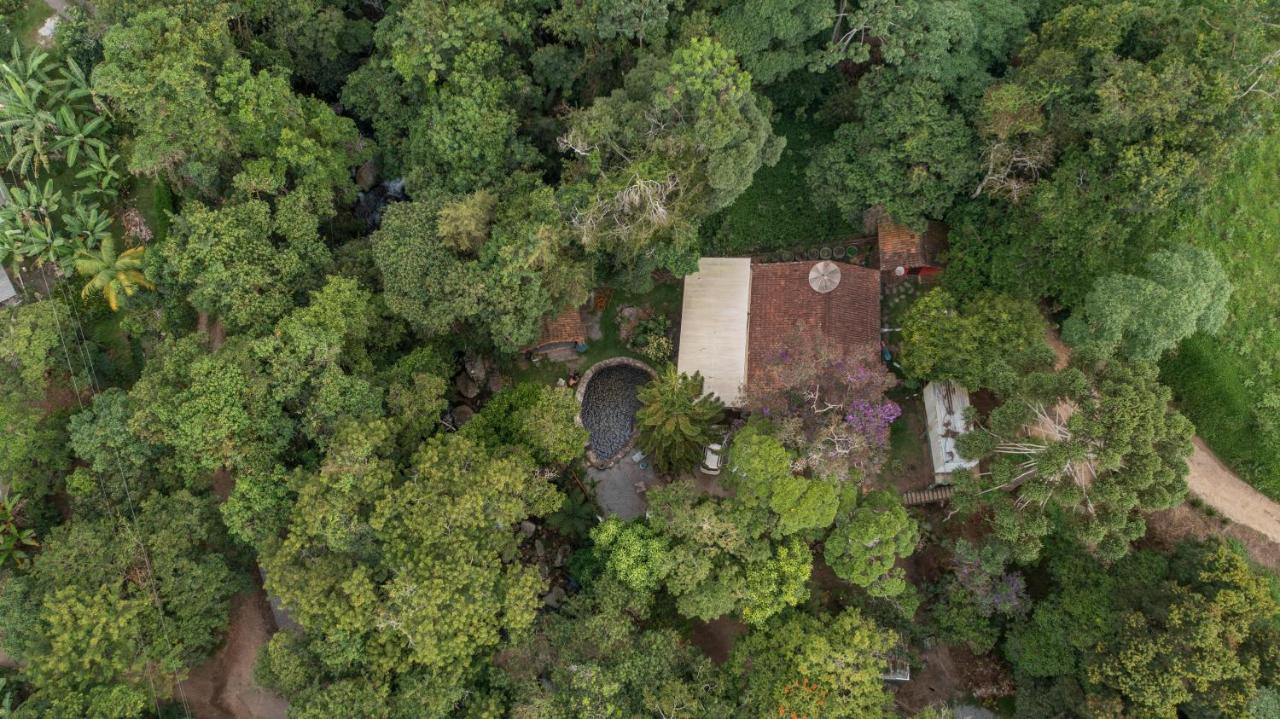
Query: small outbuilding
[
  {"x": 563, "y": 331},
  {"x": 945, "y": 405},
  {"x": 902, "y": 252}
]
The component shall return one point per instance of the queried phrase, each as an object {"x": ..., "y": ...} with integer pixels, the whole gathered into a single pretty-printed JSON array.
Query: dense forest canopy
[{"x": 281, "y": 265}]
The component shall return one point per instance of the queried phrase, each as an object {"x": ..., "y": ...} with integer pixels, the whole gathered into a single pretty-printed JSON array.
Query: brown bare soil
[
  {"x": 716, "y": 637},
  {"x": 1168, "y": 527},
  {"x": 223, "y": 687},
  {"x": 938, "y": 678}
]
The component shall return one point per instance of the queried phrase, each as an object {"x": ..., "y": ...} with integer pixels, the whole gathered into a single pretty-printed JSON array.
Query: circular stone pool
[{"x": 609, "y": 406}]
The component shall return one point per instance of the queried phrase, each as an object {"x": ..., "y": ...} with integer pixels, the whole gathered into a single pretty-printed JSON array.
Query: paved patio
[{"x": 617, "y": 488}]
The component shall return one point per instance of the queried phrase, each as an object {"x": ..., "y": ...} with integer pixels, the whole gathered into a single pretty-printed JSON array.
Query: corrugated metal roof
[
  {"x": 944, "y": 407},
  {"x": 6, "y": 287},
  {"x": 713, "y": 325}
]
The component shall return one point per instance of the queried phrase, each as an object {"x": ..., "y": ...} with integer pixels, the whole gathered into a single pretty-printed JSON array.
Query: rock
[
  {"x": 367, "y": 175},
  {"x": 527, "y": 528},
  {"x": 474, "y": 365},
  {"x": 539, "y": 549},
  {"x": 554, "y": 597},
  {"x": 467, "y": 387},
  {"x": 495, "y": 383},
  {"x": 461, "y": 415}
]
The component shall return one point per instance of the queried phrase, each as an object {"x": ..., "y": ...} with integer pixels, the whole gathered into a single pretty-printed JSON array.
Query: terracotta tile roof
[
  {"x": 899, "y": 246},
  {"x": 782, "y": 301},
  {"x": 564, "y": 327}
]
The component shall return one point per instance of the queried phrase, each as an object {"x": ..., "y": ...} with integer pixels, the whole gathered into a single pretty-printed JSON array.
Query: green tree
[
  {"x": 208, "y": 411},
  {"x": 908, "y": 152},
  {"x": 155, "y": 593},
  {"x": 676, "y": 420},
  {"x": 498, "y": 268},
  {"x": 760, "y": 475},
  {"x": 638, "y": 194},
  {"x": 597, "y": 657},
  {"x": 819, "y": 667},
  {"x": 722, "y": 558},
  {"x": 1090, "y": 452},
  {"x": 392, "y": 571},
  {"x": 234, "y": 267},
  {"x": 984, "y": 343},
  {"x": 775, "y": 38},
  {"x": 1117, "y": 114},
  {"x": 1184, "y": 291},
  {"x": 443, "y": 89},
  {"x": 639, "y": 557},
  {"x": 93, "y": 644},
  {"x": 537, "y": 417},
  {"x": 868, "y": 540},
  {"x": 1152, "y": 635}
]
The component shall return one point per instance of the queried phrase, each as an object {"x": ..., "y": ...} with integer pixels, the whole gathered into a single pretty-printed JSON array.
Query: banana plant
[
  {"x": 16, "y": 543},
  {"x": 27, "y": 125},
  {"x": 87, "y": 225},
  {"x": 101, "y": 168},
  {"x": 28, "y": 223},
  {"x": 76, "y": 137},
  {"x": 112, "y": 274},
  {"x": 74, "y": 84}
]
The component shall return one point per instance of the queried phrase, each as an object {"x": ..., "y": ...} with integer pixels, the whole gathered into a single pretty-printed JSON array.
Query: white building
[{"x": 944, "y": 407}]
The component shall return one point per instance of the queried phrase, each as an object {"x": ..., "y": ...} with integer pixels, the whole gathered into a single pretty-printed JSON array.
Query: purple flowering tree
[{"x": 829, "y": 407}]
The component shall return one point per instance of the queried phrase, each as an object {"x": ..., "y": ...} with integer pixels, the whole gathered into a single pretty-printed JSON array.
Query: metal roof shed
[
  {"x": 7, "y": 293},
  {"x": 713, "y": 325},
  {"x": 944, "y": 407}
]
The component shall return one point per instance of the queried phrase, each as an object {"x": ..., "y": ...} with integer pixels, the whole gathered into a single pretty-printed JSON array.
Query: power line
[{"x": 133, "y": 516}]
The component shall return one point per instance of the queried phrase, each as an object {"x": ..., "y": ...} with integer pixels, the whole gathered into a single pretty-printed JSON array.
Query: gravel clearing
[{"x": 609, "y": 407}]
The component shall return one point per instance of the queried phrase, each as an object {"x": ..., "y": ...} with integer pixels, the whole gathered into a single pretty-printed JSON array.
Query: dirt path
[
  {"x": 223, "y": 687},
  {"x": 1219, "y": 487}
]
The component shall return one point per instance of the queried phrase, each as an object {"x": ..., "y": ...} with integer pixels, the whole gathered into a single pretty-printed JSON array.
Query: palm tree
[
  {"x": 677, "y": 420},
  {"x": 27, "y": 223},
  {"x": 77, "y": 137},
  {"x": 110, "y": 273}
]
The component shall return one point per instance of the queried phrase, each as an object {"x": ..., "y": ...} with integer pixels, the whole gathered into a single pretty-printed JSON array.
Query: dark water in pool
[{"x": 609, "y": 407}]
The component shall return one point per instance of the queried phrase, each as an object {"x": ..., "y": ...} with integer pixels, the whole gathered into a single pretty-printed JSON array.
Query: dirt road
[
  {"x": 1220, "y": 488},
  {"x": 223, "y": 687}
]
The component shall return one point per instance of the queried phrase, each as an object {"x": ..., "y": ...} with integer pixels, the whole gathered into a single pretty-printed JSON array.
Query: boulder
[
  {"x": 554, "y": 597},
  {"x": 367, "y": 175},
  {"x": 467, "y": 387},
  {"x": 475, "y": 366},
  {"x": 461, "y": 415}
]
